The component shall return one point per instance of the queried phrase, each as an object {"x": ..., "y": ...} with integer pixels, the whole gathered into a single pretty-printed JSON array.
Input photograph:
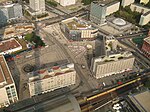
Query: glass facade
[{"x": 98, "y": 13}]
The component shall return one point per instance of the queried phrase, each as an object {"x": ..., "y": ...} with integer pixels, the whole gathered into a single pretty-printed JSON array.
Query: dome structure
[{"x": 119, "y": 21}]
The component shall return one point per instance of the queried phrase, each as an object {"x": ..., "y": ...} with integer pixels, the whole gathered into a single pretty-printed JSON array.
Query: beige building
[
  {"x": 18, "y": 30},
  {"x": 145, "y": 18},
  {"x": 77, "y": 29},
  {"x": 139, "y": 8},
  {"x": 66, "y": 2},
  {"x": 126, "y": 2},
  {"x": 144, "y": 1},
  {"x": 8, "y": 93},
  {"x": 37, "y": 5},
  {"x": 115, "y": 61},
  {"x": 47, "y": 80},
  {"x": 112, "y": 7},
  {"x": 109, "y": 65}
]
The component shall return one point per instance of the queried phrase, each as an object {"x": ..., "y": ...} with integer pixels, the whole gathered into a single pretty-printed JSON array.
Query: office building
[
  {"x": 139, "y": 8},
  {"x": 112, "y": 7},
  {"x": 115, "y": 61},
  {"x": 9, "y": 46},
  {"x": 100, "y": 9},
  {"x": 77, "y": 29},
  {"x": 98, "y": 13},
  {"x": 145, "y": 18},
  {"x": 125, "y": 3},
  {"x": 37, "y": 5},
  {"x": 9, "y": 11},
  {"x": 140, "y": 101},
  {"x": 8, "y": 93},
  {"x": 145, "y": 11},
  {"x": 144, "y": 1},
  {"x": 146, "y": 47},
  {"x": 49, "y": 79},
  {"x": 66, "y": 2}
]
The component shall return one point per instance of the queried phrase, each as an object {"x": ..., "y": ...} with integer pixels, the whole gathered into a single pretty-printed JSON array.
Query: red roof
[
  {"x": 55, "y": 68},
  {"x": 8, "y": 44},
  {"x": 4, "y": 71}
]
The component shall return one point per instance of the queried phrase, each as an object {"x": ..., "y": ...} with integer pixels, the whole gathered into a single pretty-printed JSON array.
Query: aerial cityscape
[{"x": 74, "y": 55}]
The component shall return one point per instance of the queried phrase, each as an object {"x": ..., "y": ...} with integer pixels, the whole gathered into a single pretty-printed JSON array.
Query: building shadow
[{"x": 3, "y": 18}]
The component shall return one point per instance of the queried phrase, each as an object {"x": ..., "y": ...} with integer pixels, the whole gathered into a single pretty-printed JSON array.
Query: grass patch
[
  {"x": 42, "y": 15},
  {"x": 52, "y": 3},
  {"x": 147, "y": 83},
  {"x": 34, "y": 39},
  {"x": 87, "y": 2},
  {"x": 128, "y": 15},
  {"x": 139, "y": 40}
]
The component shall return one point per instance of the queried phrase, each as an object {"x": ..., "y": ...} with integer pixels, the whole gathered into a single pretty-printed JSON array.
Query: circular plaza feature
[
  {"x": 28, "y": 68},
  {"x": 119, "y": 21}
]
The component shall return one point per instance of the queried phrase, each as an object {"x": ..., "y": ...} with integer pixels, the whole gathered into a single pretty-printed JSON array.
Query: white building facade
[
  {"x": 51, "y": 79},
  {"x": 66, "y": 2},
  {"x": 112, "y": 7},
  {"x": 139, "y": 8},
  {"x": 8, "y": 93},
  {"x": 144, "y": 19},
  {"x": 126, "y": 2},
  {"x": 112, "y": 64},
  {"x": 37, "y": 5}
]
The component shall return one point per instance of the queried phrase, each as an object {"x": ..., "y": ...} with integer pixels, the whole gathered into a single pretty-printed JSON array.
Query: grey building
[
  {"x": 98, "y": 12},
  {"x": 9, "y": 11}
]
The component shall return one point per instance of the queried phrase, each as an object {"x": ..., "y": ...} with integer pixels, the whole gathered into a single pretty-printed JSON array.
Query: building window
[
  {"x": 7, "y": 88},
  {"x": 12, "y": 86},
  {"x": 15, "y": 99},
  {"x": 10, "y": 100}
]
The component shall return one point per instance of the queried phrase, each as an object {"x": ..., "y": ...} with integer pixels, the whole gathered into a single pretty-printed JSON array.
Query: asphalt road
[
  {"x": 71, "y": 59},
  {"x": 136, "y": 51}
]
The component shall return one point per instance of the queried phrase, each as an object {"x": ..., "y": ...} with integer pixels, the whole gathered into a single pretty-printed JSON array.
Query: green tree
[
  {"x": 87, "y": 2},
  {"x": 29, "y": 36}
]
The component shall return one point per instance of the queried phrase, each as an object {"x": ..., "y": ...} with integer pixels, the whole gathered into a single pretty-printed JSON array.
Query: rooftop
[
  {"x": 50, "y": 72},
  {"x": 114, "y": 57},
  {"x": 141, "y": 100},
  {"x": 76, "y": 24},
  {"x": 147, "y": 40},
  {"x": 114, "y": 52},
  {"x": 9, "y": 44},
  {"x": 7, "y": 4},
  {"x": 105, "y": 2},
  {"x": 147, "y": 13},
  {"x": 5, "y": 75},
  {"x": 119, "y": 22}
]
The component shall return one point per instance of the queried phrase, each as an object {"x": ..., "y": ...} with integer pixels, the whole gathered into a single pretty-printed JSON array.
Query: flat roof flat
[
  {"x": 147, "y": 40},
  {"x": 141, "y": 100},
  {"x": 5, "y": 75},
  {"x": 105, "y": 2},
  {"x": 9, "y": 44}
]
